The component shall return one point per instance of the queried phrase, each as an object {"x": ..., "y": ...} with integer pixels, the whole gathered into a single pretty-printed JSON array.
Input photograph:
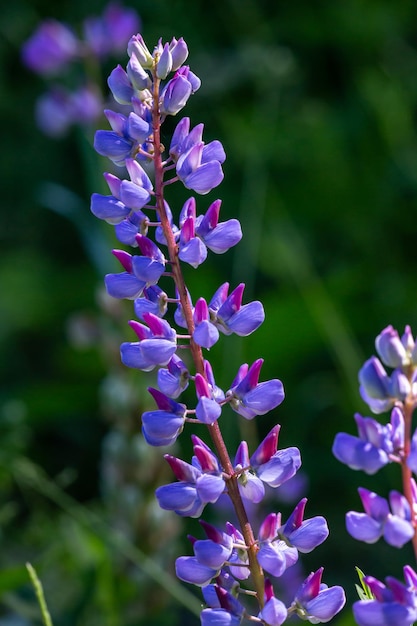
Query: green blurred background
[{"x": 315, "y": 103}]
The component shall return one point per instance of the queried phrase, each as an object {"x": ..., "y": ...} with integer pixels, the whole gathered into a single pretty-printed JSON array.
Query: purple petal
[
  {"x": 249, "y": 317},
  {"x": 176, "y": 497},
  {"x": 373, "y": 613},
  {"x": 358, "y": 454},
  {"x": 158, "y": 351},
  {"x": 191, "y": 571},
  {"x": 161, "y": 428},
  {"x": 111, "y": 145},
  {"x": 224, "y": 236},
  {"x": 194, "y": 252},
  {"x": 397, "y": 531},
  {"x": 124, "y": 285},
  {"x": 326, "y": 604},
  {"x": 210, "y": 487},
  {"x": 108, "y": 208},
  {"x": 206, "y": 334},
  {"x": 362, "y": 527},
  {"x": 208, "y": 410},
  {"x": 133, "y": 196},
  {"x": 211, "y": 554},
  {"x": 281, "y": 467},
  {"x": 310, "y": 534},
  {"x": 205, "y": 178}
]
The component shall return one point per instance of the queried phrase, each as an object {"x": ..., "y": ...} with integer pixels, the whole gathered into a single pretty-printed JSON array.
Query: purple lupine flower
[
  {"x": 274, "y": 612},
  {"x": 274, "y": 555},
  {"x": 248, "y": 397},
  {"x": 375, "y": 445},
  {"x": 378, "y": 521},
  {"x": 127, "y": 135},
  {"x": 393, "y": 603},
  {"x": 156, "y": 344},
  {"x": 192, "y": 249},
  {"x": 267, "y": 464},
  {"x": 250, "y": 486},
  {"x": 175, "y": 94},
  {"x": 205, "y": 333},
  {"x": 140, "y": 271},
  {"x": 51, "y": 47},
  {"x": 173, "y": 380},
  {"x": 380, "y": 391},
  {"x": 316, "y": 602},
  {"x": 207, "y": 410},
  {"x": 198, "y": 165},
  {"x": 394, "y": 351},
  {"x": 136, "y": 47},
  {"x": 154, "y": 300},
  {"x": 125, "y": 284},
  {"x": 227, "y": 611},
  {"x": 162, "y": 427},
  {"x": 274, "y": 467},
  {"x": 209, "y": 557},
  {"x": 230, "y": 316},
  {"x": 127, "y": 229},
  {"x": 199, "y": 483},
  {"x": 110, "y": 208},
  {"x": 305, "y": 535},
  {"x": 218, "y": 237},
  {"x": 109, "y": 32}
]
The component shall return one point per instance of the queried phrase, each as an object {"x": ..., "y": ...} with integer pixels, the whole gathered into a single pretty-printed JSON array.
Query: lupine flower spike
[
  {"x": 173, "y": 337},
  {"x": 377, "y": 444}
]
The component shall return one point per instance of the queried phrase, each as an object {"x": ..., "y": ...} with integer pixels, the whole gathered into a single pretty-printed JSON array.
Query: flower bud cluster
[
  {"x": 154, "y": 85},
  {"x": 395, "y": 518}
]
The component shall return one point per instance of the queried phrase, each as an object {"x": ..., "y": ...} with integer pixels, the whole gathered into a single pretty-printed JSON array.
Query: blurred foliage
[{"x": 315, "y": 103}]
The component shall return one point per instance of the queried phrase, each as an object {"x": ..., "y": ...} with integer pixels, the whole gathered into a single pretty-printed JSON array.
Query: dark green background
[{"x": 315, "y": 104}]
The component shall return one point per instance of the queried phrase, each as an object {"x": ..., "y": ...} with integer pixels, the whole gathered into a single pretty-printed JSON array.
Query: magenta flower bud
[{"x": 267, "y": 448}]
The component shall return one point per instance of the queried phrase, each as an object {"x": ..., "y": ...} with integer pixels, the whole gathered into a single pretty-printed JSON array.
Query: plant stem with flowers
[
  {"x": 375, "y": 446},
  {"x": 226, "y": 558}
]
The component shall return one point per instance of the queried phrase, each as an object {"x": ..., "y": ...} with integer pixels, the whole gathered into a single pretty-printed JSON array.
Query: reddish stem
[
  {"x": 197, "y": 355},
  {"x": 408, "y": 408}
]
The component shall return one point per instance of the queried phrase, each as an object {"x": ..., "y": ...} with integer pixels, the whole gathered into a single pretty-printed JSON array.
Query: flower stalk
[{"x": 222, "y": 562}]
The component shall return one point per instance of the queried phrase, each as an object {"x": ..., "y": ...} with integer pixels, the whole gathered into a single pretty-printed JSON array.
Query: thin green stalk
[
  {"x": 37, "y": 585},
  {"x": 30, "y": 475}
]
